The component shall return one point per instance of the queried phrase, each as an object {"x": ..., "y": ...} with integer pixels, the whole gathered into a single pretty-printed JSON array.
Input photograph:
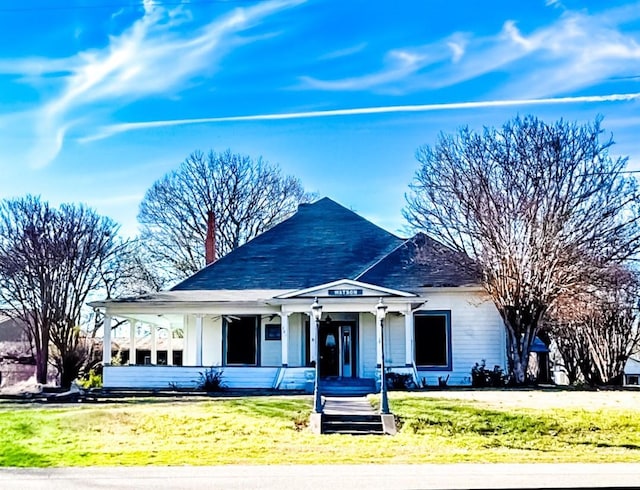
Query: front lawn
[{"x": 272, "y": 430}]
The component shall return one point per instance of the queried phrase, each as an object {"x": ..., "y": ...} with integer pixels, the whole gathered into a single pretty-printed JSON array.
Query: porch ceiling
[
  {"x": 189, "y": 297},
  {"x": 164, "y": 320},
  {"x": 169, "y": 308}
]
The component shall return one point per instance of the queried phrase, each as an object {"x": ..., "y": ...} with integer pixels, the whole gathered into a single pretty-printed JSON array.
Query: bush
[
  {"x": 481, "y": 377},
  {"x": 91, "y": 380},
  {"x": 399, "y": 381},
  {"x": 211, "y": 381}
]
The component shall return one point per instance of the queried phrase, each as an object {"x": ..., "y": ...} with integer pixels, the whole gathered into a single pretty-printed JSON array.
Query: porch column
[
  {"x": 198, "y": 340},
  {"x": 408, "y": 338},
  {"x": 106, "y": 341},
  {"x": 312, "y": 339},
  {"x": 170, "y": 347},
  {"x": 378, "y": 342},
  {"x": 154, "y": 346},
  {"x": 284, "y": 338},
  {"x": 132, "y": 342}
]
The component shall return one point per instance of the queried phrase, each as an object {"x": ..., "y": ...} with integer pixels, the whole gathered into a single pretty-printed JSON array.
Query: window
[
  {"x": 177, "y": 358},
  {"x": 272, "y": 332},
  {"x": 241, "y": 340},
  {"x": 432, "y": 339}
]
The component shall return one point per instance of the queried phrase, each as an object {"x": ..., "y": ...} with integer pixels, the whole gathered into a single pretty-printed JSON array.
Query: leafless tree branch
[
  {"x": 247, "y": 197},
  {"x": 540, "y": 208}
]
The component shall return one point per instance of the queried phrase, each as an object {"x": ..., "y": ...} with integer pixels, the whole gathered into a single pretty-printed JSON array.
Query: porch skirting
[{"x": 166, "y": 377}]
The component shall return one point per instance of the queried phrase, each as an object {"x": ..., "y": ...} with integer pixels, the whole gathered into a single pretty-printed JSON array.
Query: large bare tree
[
  {"x": 246, "y": 197},
  {"x": 539, "y": 207},
  {"x": 595, "y": 327},
  {"x": 50, "y": 260}
]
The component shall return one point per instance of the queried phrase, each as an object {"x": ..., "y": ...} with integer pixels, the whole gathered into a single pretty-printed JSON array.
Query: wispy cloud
[
  {"x": 554, "y": 3},
  {"x": 114, "y": 129},
  {"x": 398, "y": 66},
  {"x": 457, "y": 48},
  {"x": 576, "y": 51},
  {"x": 341, "y": 53},
  {"x": 152, "y": 56}
]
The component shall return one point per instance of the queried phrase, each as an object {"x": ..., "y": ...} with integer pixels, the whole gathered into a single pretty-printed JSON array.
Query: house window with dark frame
[
  {"x": 272, "y": 332},
  {"x": 432, "y": 340},
  {"x": 241, "y": 341}
]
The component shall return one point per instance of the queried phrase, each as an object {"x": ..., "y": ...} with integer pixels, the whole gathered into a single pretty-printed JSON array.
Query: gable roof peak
[{"x": 322, "y": 242}]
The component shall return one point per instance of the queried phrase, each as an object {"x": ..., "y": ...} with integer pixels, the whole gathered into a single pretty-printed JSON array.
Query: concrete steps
[
  {"x": 351, "y": 415},
  {"x": 354, "y": 424}
]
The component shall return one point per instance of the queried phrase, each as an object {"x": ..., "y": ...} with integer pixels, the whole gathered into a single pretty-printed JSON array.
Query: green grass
[{"x": 271, "y": 430}]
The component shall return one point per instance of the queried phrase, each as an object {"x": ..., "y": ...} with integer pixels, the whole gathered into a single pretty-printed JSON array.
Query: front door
[{"x": 337, "y": 350}]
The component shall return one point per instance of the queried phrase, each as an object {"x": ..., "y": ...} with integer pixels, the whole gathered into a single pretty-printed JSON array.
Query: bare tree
[
  {"x": 127, "y": 272},
  {"x": 50, "y": 260},
  {"x": 573, "y": 348},
  {"x": 540, "y": 208},
  {"x": 246, "y": 197},
  {"x": 596, "y": 327}
]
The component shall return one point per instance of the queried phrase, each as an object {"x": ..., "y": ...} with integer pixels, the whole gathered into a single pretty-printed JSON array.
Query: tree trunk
[
  {"x": 42, "y": 364},
  {"x": 520, "y": 370},
  {"x": 518, "y": 354}
]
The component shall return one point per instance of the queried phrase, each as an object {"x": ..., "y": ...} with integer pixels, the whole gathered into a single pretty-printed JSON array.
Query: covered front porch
[{"x": 263, "y": 340}]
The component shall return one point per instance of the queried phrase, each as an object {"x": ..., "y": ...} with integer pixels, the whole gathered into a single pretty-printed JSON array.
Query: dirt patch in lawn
[{"x": 540, "y": 399}]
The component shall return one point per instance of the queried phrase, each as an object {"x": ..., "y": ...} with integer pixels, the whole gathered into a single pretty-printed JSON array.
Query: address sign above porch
[
  {"x": 345, "y": 288},
  {"x": 345, "y": 292}
]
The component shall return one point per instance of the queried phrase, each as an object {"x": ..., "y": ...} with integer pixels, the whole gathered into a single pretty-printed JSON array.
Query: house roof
[
  {"x": 11, "y": 329},
  {"x": 421, "y": 262},
  {"x": 322, "y": 242}
]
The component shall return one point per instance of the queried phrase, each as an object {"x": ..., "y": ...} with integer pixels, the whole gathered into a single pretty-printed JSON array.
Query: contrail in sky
[{"x": 114, "y": 129}]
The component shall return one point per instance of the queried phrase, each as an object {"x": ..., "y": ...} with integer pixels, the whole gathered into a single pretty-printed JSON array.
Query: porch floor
[{"x": 337, "y": 386}]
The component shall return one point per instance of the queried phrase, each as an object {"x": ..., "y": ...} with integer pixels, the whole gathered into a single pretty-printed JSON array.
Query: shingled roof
[
  {"x": 322, "y": 242},
  {"x": 325, "y": 242},
  {"x": 422, "y": 262}
]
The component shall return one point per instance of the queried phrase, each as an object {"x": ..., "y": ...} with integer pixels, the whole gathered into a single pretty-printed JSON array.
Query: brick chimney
[{"x": 210, "y": 240}]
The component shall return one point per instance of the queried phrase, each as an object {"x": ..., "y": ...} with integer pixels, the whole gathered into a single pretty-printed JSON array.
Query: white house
[
  {"x": 249, "y": 313},
  {"x": 632, "y": 372}
]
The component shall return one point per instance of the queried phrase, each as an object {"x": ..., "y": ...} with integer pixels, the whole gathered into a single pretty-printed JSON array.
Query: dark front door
[
  {"x": 337, "y": 349},
  {"x": 329, "y": 351}
]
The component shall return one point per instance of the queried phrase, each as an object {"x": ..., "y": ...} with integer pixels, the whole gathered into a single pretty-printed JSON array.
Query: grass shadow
[{"x": 17, "y": 455}]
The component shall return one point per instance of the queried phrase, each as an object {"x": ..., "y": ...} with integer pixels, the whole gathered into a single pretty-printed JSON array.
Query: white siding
[
  {"x": 212, "y": 341},
  {"x": 189, "y": 353},
  {"x": 367, "y": 344},
  {"x": 300, "y": 378},
  {"x": 164, "y": 377},
  {"x": 477, "y": 333},
  {"x": 270, "y": 350},
  {"x": 296, "y": 339},
  {"x": 394, "y": 340}
]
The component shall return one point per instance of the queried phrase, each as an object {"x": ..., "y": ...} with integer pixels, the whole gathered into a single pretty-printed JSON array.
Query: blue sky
[{"x": 99, "y": 98}]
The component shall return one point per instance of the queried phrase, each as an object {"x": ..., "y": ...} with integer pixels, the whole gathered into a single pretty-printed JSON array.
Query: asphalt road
[{"x": 337, "y": 477}]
